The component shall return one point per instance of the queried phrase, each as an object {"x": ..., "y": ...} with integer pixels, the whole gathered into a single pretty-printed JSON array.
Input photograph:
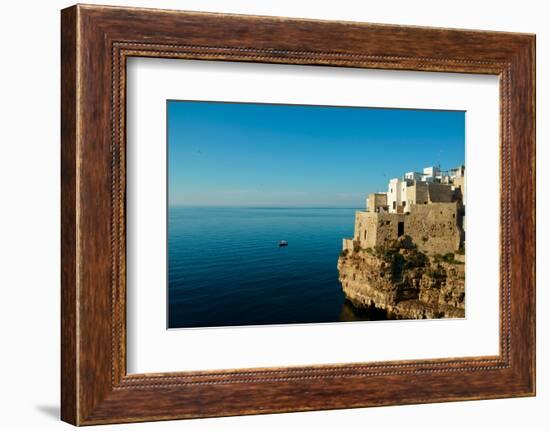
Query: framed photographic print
[
  {"x": 266, "y": 215},
  {"x": 404, "y": 257}
]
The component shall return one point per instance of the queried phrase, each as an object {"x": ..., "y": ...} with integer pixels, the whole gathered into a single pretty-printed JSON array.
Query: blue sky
[{"x": 237, "y": 154}]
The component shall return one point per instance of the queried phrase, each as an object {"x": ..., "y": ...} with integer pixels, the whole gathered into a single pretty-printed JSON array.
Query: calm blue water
[{"x": 225, "y": 266}]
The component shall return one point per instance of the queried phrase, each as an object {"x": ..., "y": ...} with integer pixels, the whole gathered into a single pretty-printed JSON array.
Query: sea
[{"x": 226, "y": 268}]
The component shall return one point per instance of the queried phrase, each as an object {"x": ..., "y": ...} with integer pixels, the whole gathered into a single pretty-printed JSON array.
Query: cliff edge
[{"x": 403, "y": 281}]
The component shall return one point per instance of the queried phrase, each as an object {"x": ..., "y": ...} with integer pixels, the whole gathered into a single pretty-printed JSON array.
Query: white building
[
  {"x": 394, "y": 194},
  {"x": 431, "y": 174},
  {"x": 403, "y": 192},
  {"x": 457, "y": 172},
  {"x": 398, "y": 194},
  {"x": 414, "y": 176}
]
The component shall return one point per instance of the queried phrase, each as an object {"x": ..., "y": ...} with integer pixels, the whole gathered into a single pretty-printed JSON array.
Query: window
[
  {"x": 394, "y": 204},
  {"x": 400, "y": 228}
]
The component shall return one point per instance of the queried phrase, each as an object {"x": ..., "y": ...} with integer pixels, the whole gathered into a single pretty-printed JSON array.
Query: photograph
[{"x": 282, "y": 214}]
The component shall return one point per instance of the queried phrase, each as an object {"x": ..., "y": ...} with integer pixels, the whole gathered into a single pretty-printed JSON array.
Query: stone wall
[
  {"x": 434, "y": 228},
  {"x": 460, "y": 182},
  {"x": 365, "y": 228},
  {"x": 377, "y": 200},
  {"x": 419, "y": 193},
  {"x": 348, "y": 244},
  {"x": 376, "y": 229},
  {"x": 440, "y": 193},
  {"x": 387, "y": 228}
]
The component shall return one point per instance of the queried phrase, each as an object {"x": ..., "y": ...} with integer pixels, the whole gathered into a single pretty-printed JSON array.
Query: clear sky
[{"x": 238, "y": 154}]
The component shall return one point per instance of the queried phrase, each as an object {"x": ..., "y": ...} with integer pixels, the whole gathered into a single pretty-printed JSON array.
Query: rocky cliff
[{"x": 403, "y": 281}]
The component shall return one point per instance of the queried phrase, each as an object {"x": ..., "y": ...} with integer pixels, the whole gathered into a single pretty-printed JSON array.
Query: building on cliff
[{"x": 428, "y": 207}]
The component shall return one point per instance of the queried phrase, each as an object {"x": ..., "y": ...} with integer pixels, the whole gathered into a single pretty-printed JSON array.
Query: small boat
[{"x": 283, "y": 243}]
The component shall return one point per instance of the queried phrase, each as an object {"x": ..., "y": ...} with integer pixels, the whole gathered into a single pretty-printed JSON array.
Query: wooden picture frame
[{"x": 95, "y": 43}]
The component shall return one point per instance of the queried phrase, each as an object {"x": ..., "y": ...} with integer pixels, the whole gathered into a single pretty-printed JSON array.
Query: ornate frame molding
[{"x": 96, "y": 41}]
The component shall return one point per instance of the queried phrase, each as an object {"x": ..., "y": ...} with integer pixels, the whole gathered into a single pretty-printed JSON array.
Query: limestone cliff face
[{"x": 403, "y": 281}]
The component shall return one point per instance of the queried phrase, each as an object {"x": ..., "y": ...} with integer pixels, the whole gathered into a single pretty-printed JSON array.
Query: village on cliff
[{"x": 407, "y": 252}]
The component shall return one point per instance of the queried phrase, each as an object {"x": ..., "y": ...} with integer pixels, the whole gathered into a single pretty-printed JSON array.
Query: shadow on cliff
[{"x": 350, "y": 313}]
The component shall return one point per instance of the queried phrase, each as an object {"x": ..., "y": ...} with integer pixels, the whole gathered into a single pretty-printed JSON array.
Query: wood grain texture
[
  {"x": 96, "y": 41},
  {"x": 69, "y": 397}
]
